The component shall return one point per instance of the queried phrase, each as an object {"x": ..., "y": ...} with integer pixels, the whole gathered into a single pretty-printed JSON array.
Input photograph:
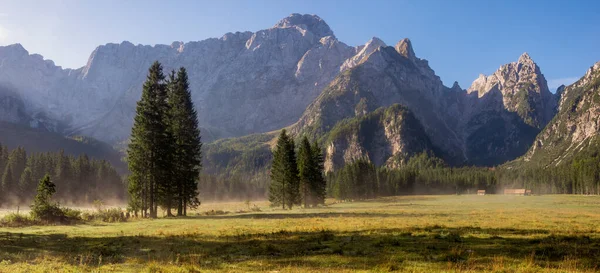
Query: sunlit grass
[{"x": 467, "y": 233}]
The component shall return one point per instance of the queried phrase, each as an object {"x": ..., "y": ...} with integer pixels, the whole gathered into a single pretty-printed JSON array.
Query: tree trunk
[
  {"x": 180, "y": 200},
  {"x": 184, "y": 207},
  {"x": 305, "y": 196}
]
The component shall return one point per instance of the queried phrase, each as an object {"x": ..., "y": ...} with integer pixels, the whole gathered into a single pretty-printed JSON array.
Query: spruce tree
[
  {"x": 63, "y": 173},
  {"x": 318, "y": 182},
  {"x": 284, "y": 188},
  {"x": 25, "y": 184},
  {"x": 8, "y": 182},
  {"x": 149, "y": 154},
  {"x": 3, "y": 157},
  {"x": 84, "y": 177},
  {"x": 183, "y": 122},
  {"x": 43, "y": 207},
  {"x": 306, "y": 171}
]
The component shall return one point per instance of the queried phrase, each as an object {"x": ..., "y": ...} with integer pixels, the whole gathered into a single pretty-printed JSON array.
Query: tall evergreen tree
[
  {"x": 83, "y": 172},
  {"x": 284, "y": 188},
  {"x": 306, "y": 171},
  {"x": 64, "y": 173},
  {"x": 149, "y": 154},
  {"x": 43, "y": 207},
  {"x": 26, "y": 183},
  {"x": 318, "y": 182},
  {"x": 183, "y": 123},
  {"x": 8, "y": 182},
  {"x": 3, "y": 157}
]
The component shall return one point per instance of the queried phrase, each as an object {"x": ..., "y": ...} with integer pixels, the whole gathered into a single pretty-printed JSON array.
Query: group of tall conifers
[
  {"x": 164, "y": 155},
  {"x": 297, "y": 177}
]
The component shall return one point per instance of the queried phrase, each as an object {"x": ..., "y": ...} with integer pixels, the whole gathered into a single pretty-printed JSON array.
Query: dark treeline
[
  {"x": 224, "y": 187},
  {"x": 236, "y": 169},
  {"x": 81, "y": 180},
  {"x": 424, "y": 174},
  {"x": 164, "y": 155},
  {"x": 579, "y": 175}
]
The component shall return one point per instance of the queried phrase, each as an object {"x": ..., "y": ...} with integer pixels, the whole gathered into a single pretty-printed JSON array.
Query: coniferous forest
[{"x": 81, "y": 180}]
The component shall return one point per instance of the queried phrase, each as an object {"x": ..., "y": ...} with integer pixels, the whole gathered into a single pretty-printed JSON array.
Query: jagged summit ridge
[
  {"x": 523, "y": 89},
  {"x": 309, "y": 22},
  {"x": 252, "y": 82},
  {"x": 508, "y": 75},
  {"x": 239, "y": 81}
]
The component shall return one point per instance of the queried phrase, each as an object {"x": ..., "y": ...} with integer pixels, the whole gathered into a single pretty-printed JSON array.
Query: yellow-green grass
[{"x": 554, "y": 233}]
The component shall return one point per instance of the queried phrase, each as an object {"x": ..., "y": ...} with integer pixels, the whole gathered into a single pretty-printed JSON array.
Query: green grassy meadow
[{"x": 467, "y": 233}]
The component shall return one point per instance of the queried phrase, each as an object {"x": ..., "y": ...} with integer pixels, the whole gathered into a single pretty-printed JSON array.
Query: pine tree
[
  {"x": 284, "y": 188},
  {"x": 149, "y": 154},
  {"x": 319, "y": 184},
  {"x": 3, "y": 157},
  {"x": 25, "y": 184},
  {"x": 306, "y": 171},
  {"x": 63, "y": 173},
  {"x": 83, "y": 174},
  {"x": 8, "y": 183},
  {"x": 183, "y": 122},
  {"x": 2, "y": 166},
  {"x": 43, "y": 207}
]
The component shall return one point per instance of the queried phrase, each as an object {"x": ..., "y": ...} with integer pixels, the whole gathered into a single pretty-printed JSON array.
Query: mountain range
[{"x": 370, "y": 101}]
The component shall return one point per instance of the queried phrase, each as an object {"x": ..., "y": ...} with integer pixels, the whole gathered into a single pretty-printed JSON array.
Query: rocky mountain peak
[
  {"x": 525, "y": 58},
  {"x": 456, "y": 87},
  {"x": 14, "y": 50},
  {"x": 404, "y": 47},
  {"x": 522, "y": 88},
  {"x": 512, "y": 76},
  {"x": 309, "y": 22},
  {"x": 363, "y": 52}
]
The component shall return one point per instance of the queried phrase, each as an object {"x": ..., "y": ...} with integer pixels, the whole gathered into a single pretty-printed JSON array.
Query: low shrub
[
  {"x": 214, "y": 212},
  {"x": 113, "y": 215},
  {"x": 17, "y": 220},
  {"x": 50, "y": 213},
  {"x": 71, "y": 214},
  {"x": 255, "y": 208}
]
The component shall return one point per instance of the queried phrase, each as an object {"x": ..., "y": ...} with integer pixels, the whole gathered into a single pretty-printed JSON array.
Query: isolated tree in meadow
[
  {"x": 43, "y": 208},
  {"x": 149, "y": 154},
  {"x": 284, "y": 189},
  {"x": 187, "y": 158}
]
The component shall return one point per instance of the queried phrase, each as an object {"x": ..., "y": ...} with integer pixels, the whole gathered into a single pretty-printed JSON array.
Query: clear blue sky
[{"x": 461, "y": 39}]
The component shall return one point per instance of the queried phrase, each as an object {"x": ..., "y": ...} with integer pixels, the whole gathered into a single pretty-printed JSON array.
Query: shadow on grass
[
  {"x": 302, "y": 215},
  {"x": 436, "y": 245}
]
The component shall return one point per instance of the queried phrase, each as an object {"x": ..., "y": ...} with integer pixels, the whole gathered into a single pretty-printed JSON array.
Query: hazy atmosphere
[{"x": 299, "y": 136}]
